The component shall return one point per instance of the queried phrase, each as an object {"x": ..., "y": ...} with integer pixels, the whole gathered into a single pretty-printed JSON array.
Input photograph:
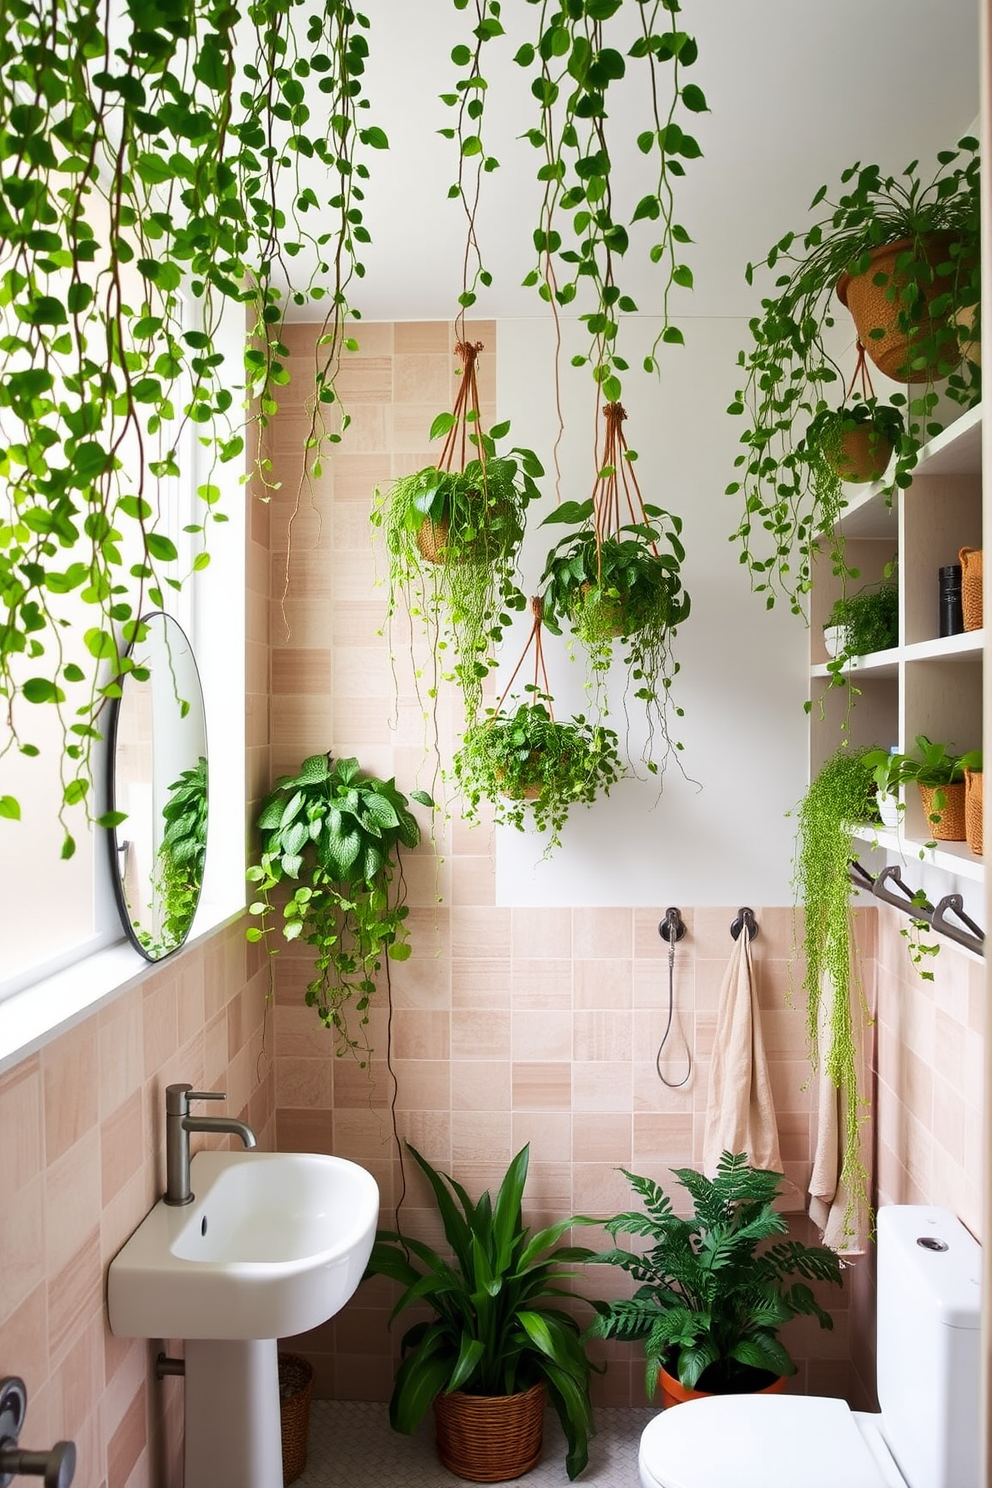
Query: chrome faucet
[{"x": 178, "y": 1125}]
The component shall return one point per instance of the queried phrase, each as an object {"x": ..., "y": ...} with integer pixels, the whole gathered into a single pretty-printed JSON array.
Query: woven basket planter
[
  {"x": 490, "y": 1438},
  {"x": 295, "y": 1390},
  {"x": 864, "y": 454},
  {"x": 951, "y": 826},
  {"x": 872, "y": 311},
  {"x": 971, "y": 587},
  {"x": 973, "y": 794}
]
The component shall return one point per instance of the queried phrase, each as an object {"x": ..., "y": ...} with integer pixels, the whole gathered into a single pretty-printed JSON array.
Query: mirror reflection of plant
[
  {"x": 841, "y": 795},
  {"x": 181, "y": 858},
  {"x": 788, "y": 368},
  {"x": 453, "y": 531},
  {"x": 336, "y": 835}
]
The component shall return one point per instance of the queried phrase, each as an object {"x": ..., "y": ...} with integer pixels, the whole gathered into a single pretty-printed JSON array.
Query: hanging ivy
[{"x": 144, "y": 181}]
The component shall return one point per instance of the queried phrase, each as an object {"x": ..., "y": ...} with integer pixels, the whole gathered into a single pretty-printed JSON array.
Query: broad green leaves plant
[
  {"x": 495, "y": 1327},
  {"x": 143, "y": 187},
  {"x": 332, "y": 836},
  {"x": 709, "y": 1303}
]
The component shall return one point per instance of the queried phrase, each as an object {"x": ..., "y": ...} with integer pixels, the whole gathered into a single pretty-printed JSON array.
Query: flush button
[{"x": 930, "y": 1242}]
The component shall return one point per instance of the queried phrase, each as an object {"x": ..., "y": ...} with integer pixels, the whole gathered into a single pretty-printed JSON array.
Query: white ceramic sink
[{"x": 272, "y": 1244}]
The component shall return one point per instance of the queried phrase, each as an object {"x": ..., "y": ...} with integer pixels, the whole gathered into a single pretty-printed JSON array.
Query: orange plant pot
[
  {"x": 673, "y": 1392},
  {"x": 950, "y": 826},
  {"x": 872, "y": 311}
]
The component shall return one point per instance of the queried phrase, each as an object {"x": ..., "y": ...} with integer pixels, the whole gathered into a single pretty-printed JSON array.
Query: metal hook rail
[
  {"x": 916, "y": 904},
  {"x": 745, "y": 921}
]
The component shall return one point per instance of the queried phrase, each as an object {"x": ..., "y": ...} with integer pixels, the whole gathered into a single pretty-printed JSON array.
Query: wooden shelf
[{"x": 953, "y": 857}]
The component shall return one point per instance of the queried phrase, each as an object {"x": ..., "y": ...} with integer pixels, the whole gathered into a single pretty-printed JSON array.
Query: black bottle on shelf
[{"x": 951, "y": 613}]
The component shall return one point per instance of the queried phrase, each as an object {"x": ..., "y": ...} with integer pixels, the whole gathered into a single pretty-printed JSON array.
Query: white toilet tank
[{"x": 929, "y": 1306}]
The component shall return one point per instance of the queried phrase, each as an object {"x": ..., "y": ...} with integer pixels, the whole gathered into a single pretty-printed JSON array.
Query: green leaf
[
  {"x": 10, "y": 808},
  {"x": 41, "y": 690}
]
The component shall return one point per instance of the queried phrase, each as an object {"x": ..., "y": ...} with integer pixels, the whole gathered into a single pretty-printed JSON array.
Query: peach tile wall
[
  {"x": 508, "y": 1026},
  {"x": 82, "y": 1160}
]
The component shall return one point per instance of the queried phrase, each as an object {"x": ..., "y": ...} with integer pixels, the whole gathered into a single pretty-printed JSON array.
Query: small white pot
[
  {"x": 834, "y": 639},
  {"x": 888, "y": 809}
]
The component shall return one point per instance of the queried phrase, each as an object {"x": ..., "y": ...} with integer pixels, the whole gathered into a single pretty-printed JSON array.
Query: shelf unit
[{"x": 927, "y": 684}]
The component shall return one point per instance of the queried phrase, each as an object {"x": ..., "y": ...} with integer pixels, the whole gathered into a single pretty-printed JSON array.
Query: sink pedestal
[{"x": 232, "y": 1432}]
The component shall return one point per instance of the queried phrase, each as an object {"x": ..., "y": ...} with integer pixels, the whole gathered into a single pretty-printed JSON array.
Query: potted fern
[
  {"x": 712, "y": 1294},
  {"x": 532, "y": 767},
  {"x": 496, "y": 1343},
  {"x": 332, "y": 835}
]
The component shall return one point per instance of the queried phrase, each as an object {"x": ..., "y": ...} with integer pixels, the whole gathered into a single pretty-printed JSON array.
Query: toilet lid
[{"x": 758, "y": 1441}]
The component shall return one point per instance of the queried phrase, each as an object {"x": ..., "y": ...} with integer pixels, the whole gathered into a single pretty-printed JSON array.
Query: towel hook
[
  {"x": 672, "y": 926},
  {"x": 745, "y": 920}
]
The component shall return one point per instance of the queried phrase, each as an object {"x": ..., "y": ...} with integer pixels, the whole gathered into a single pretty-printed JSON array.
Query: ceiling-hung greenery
[{"x": 147, "y": 179}]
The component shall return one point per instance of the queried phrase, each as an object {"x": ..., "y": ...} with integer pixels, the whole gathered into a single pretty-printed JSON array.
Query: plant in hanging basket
[
  {"x": 496, "y": 1328},
  {"x": 452, "y": 534},
  {"x": 789, "y": 368},
  {"x": 333, "y": 836},
  {"x": 531, "y": 767},
  {"x": 855, "y": 442}
]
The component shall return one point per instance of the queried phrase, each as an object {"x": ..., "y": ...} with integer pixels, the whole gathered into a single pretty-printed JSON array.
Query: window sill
[{"x": 38, "y": 1014}]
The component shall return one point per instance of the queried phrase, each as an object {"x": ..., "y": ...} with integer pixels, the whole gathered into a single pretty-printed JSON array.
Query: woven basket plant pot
[
  {"x": 951, "y": 826},
  {"x": 864, "y": 454},
  {"x": 295, "y": 1390},
  {"x": 972, "y": 571},
  {"x": 872, "y": 311},
  {"x": 490, "y": 1438},
  {"x": 973, "y": 795}
]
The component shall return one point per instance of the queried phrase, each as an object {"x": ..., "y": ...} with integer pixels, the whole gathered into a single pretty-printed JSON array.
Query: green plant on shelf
[{"x": 868, "y": 619}]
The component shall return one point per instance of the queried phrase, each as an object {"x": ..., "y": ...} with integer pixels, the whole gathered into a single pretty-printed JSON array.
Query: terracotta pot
[
  {"x": 873, "y": 311},
  {"x": 673, "y": 1392},
  {"x": 973, "y": 799},
  {"x": 864, "y": 454},
  {"x": 490, "y": 1438},
  {"x": 951, "y": 826}
]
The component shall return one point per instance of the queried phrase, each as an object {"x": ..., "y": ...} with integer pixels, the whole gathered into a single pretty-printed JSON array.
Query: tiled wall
[
  {"x": 509, "y": 1026},
  {"x": 82, "y": 1161}
]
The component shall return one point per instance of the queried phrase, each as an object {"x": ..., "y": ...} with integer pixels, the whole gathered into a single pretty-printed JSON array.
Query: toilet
[{"x": 927, "y": 1434}]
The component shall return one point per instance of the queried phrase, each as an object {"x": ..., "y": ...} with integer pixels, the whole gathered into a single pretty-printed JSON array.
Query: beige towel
[
  {"x": 740, "y": 1115},
  {"x": 843, "y": 1226}
]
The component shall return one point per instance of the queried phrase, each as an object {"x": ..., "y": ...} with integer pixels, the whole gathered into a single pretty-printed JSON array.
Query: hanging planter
[
  {"x": 453, "y": 531},
  {"x": 855, "y": 442},
  {"x": 618, "y": 576},
  {"x": 530, "y": 766},
  {"x": 899, "y": 300}
]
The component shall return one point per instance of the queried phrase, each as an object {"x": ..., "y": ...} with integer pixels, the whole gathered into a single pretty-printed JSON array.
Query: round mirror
[{"x": 158, "y": 780}]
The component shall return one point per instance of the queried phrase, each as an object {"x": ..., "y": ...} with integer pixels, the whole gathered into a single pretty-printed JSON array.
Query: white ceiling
[{"x": 797, "y": 89}]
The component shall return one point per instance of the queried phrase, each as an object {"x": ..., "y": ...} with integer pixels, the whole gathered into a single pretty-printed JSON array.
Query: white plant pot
[
  {"x": 888, "y": 809},
  {"x": 834, "y": 639}
]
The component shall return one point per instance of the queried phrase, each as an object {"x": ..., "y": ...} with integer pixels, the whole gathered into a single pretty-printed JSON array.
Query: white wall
[{"x": 721, "y": 836}]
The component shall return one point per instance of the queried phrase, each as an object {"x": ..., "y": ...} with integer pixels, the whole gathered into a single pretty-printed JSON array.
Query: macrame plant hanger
[
  {"x": 458, "y": 449},
  {"x": 615, "y": 474},
  {"x": 861, "y": 371},
  {"x": 541, "y": 688}
]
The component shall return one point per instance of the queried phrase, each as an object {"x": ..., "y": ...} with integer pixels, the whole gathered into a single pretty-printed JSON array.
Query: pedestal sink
[{"x": 272, "y": 1244}]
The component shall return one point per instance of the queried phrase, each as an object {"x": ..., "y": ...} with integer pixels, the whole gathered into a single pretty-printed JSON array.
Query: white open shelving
[{"x": 928, "y": 684}]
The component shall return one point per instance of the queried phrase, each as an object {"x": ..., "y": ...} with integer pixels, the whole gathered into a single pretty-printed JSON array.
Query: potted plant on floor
[
  {"x": 532, "y": 767},
  {"x": 939, "y": 774},
  {"x": 333, "y": 835},
  {"x": 497, "y": 1341},
  {"x": 709, "y": 1302},
  {"x": 933, "y": 228}
]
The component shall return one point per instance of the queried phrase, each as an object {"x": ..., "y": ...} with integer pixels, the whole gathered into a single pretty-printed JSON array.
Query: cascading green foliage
[
  {"x": 182, "y": 856},
  {"x": 789, "y": 370},
  {"x": 842, "y": 794},
  {"x": 709, "y": 1303},
  {"x": 146, "y": 181},
  {"x": 495, "y": 1328},
  {"x": 625, "y": 588},
  {"x": 452, "y": 537},
  {"x": 335, "y": 834},
  {"x": 531, "y": 767}
]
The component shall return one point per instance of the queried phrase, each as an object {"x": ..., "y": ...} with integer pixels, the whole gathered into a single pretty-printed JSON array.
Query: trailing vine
[{"x": 142, "y": 182}]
